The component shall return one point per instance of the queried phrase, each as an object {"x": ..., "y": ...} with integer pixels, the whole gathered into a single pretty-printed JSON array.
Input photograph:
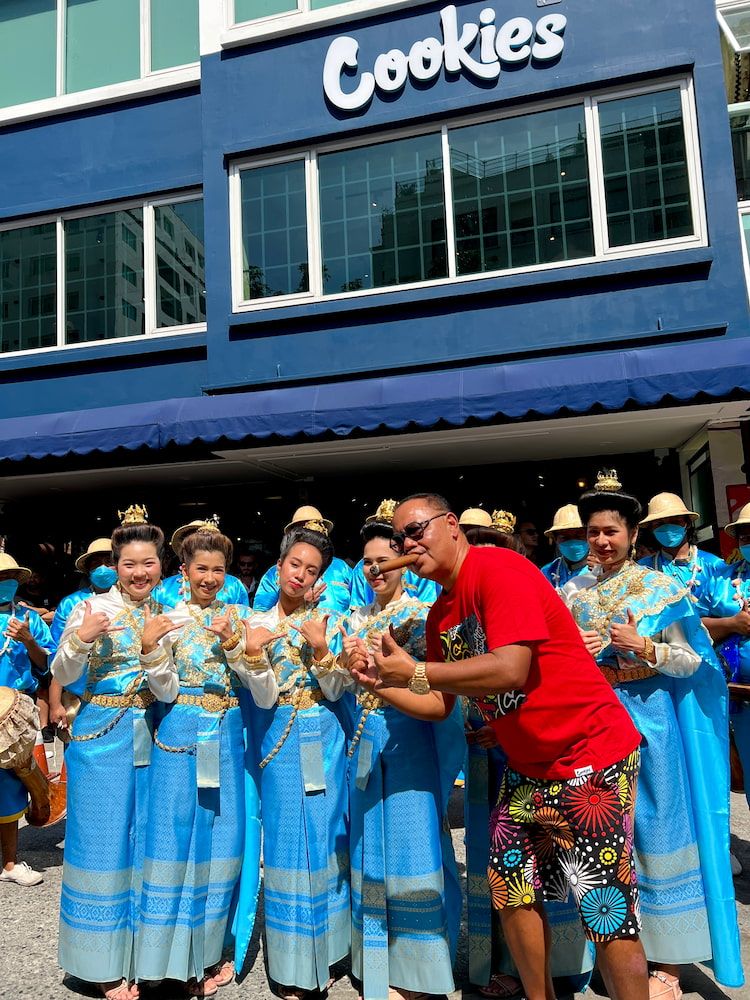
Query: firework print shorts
[{"x": 550, "y": 838}]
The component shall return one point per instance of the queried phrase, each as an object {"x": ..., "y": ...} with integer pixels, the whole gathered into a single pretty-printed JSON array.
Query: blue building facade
[{"x": 301, "y": 219}]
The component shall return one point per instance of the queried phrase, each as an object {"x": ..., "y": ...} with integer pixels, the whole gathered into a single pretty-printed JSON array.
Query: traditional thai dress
[
  {"x": 336, "y": 597},
  {"x": 406, "y": 897},
  {"x": 700, "y": 574},
  {"x": 60, "y": 620},
  {"x": 108, "y": 777},
  {"x": 17, "y": 672},
  {"x": 202, "y": 856},
  {"x": 362, "y": 593},
  {"x": 175, "y": 589},
  {"x": 682, "y": 807},
  {"x": 301, "y": 745},
  {"x": 559, "y": 571}
]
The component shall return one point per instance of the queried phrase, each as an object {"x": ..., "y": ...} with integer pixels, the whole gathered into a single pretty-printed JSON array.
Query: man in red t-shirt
[{"x": 500, "y": 635}]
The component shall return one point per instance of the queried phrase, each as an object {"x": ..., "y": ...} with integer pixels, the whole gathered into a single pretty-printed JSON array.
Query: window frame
[
  {"x": 743, "y": 211},
  {"x": 149, "y": 270},
  {"x": 602, "y": 250},
  {"x": 728, "y": 7}
]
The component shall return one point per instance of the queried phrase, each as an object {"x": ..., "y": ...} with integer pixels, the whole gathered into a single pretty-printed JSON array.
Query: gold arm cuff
[
  {"x": 156, "y": 662},
  {"x": 78, "y": 645},
  {"x": 649, "y": 650},
  {"x": 229, "y": 644},
  {"x": 327, "y": 663},
  {"x": 259, "y": 662}
]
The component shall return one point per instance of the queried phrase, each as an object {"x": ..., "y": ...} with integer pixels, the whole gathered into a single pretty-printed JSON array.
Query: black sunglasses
[{"x": 415, "y": 531}]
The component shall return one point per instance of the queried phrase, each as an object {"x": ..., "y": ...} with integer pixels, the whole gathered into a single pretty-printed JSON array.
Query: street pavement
[{"x": 28, "y": 946}]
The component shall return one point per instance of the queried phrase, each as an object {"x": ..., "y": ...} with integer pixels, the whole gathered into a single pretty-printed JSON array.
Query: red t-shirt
[{"x": 567, "y": 718}]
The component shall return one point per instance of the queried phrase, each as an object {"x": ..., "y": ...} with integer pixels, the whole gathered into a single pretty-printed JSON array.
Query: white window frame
[
  {"x": 728, "y": 7},
  {"x": 603, "y": 252},
  {"x": 151, "y": 331},
  {"x": 743, "y": 211},
  {"x": 149, "y": 82},
  {"x": 303, "y": 19}
]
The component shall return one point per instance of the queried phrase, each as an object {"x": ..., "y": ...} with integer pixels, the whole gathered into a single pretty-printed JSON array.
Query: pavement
[{"x": 28, "y": 950}]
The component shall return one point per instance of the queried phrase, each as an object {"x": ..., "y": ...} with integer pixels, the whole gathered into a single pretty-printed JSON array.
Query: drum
[{"x": 19, "y": 724}]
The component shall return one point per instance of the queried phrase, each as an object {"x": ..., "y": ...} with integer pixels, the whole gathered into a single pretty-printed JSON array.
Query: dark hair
[
  {"x": 376, "y": 529},
  {"x": 480, "y": 535},
  {"x": 321, "y": 542},
  {"x": 206, "y": 541},
  {"x": 624, "y": 504},
  {"x": 434, "y": 500},
  {"x": 128, "y": 533}
]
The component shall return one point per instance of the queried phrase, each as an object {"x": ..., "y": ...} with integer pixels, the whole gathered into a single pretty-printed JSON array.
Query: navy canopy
[{"x": 610, "y": 380}]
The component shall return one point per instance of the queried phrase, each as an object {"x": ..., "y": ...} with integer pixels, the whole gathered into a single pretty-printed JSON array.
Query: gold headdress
[
  {"x": 385, "y": 511},
  {"x": 135, "y": 514},
  {"x": 504, "y": 521},
  {"x": 318, "y": 526},
  {"x": 210, "y": 524},
  {"x": 2, "y": 544},
  {"x": 607, "y": 482}
]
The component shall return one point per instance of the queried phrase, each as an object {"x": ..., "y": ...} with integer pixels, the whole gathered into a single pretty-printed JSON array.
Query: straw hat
[
  {"x": 667, "y": 505},
  {"x": 9, "y": 563},
  {"x": 310, "y": 517},
  {"x": 475, "y": 517},
  {"x": 97, "y": 547},
  {"x": 565, "y": 519},
  {"x": 743, "y": 519},
  {"x": 179, "y": 534}
]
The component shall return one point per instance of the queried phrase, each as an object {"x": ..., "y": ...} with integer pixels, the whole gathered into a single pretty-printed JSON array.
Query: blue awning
[{"x": 574, "y": 385}]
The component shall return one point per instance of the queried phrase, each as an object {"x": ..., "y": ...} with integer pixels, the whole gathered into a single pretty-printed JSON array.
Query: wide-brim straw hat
[
  {"x": 179, "y": 534},
  {"x": 475, "y": 517},
  {"x": 742, "y": 520},
  {"x": 8, "y": 563},
  {"x": 667, "y": 505},
  {"x": 99, "y": 546},
  {"x": 304, "y": 516},
  {"x": 566, "y": 519}
]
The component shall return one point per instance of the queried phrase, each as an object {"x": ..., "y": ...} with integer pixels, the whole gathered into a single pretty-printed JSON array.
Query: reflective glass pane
[
  {"x": 740, "y": 127},
  {"x": 738, "y": 22},
  {"x": 251, "y": 10},
  {"x": 180, "y": 279},
  {"x": 383, "y": 215},
  {"x": 28, "y": 50},
  {"x": 28, "y": 297},
  {"x": 645, "y": 169},
  {"x": 521, "y": 191},
  {"x": 274, "y": 230},
  {"x": 174, "y": 33},
  {"x": 102, "y": 43},
  {"x": 746, "y": 232},
  {"x": 104, "y": 270}
]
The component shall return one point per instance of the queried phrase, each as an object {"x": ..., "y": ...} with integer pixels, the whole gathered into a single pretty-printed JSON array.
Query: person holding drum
[
  {"x": 25, "y": 644},
  {"x": 107, "y": 761}
]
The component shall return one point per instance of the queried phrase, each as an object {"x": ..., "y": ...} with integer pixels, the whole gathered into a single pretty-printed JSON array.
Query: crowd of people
[{"x": 310, "y": 726}]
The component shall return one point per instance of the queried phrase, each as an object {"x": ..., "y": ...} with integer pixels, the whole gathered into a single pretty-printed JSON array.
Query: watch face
[{"x": 419, "y": 685}]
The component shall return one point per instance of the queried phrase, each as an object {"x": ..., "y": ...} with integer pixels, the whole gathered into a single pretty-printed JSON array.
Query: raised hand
[
  {"x": 313, "y": 631},
  {"x": 94, "y": 624},
  {"x": 625, "y": 636},
  {"x": 257, "y": 638},
  {"x": 155, "y": 628},
  {"x": 19, "y": 630},
  {"x": 742, "y": 622},
  {"x": 222, "y": 626},
  {"x": 315, "y": 593},
  {"x": 394, "y": 665},
  {"x": 592, "y": 642}
]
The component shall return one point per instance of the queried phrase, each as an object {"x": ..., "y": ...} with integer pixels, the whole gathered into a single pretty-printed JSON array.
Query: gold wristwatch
[{"x": 419, "y": 683}]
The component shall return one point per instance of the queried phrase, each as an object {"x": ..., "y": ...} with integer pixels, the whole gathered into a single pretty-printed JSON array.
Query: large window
[
  {"x": 612, "y": 175},
  {"x": 256, "y": 10},
  {"x": 123, "y": 273},
  {"x": 734, "y": 19},
  {"x": 49, "y": 48}
]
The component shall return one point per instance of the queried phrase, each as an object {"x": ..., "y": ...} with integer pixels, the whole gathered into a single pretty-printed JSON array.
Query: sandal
[
  {"x": 222, "y": 973},
  {"x": 134, "y": 991},
  {"x": 117, "y": 991},
  {"x": 662, "y": 985},
  {"x": 501, "y": 987},
  {"x": 205, "y": 988}
]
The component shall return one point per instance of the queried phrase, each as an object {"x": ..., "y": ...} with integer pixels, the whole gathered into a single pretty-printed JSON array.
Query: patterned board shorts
[{"x": 550, "y": 838}]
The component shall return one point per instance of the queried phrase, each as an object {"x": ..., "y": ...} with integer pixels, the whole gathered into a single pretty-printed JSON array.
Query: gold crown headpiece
[
  {"x": 316, "y": 526},
  {"x": 211, "y": 524},
  {"x": 385, "y": 511},
  {"x": 504, "y": 521},
  {"x": 607, "y": 481},
  {"x": 135, "y": 514},
  {"x": 2, "y": 544}
]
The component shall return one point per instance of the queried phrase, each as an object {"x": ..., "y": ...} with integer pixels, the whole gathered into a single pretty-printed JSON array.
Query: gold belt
[
  {"x": 626, "y": 676},
  {"x": 369, "y": 700},
  {"x": 303, "y": 699},
  {"x": 141, "y": 699},
  {"x": 209, "y": 702}
]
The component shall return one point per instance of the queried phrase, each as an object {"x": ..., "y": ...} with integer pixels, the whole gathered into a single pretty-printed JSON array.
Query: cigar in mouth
[{"x": 377, "y": 569}]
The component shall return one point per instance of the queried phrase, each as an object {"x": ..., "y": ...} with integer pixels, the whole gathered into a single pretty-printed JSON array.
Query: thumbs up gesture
[
  {"x": 394, "y": 665},
  {"x": 625, "y": 636},
  {"x": 18, "y": 629}
]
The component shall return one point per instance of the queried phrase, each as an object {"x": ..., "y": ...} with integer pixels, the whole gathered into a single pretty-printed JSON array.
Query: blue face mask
[
  {"x": 574, "y": 549},
  {"x": 103, "y": 577},
  {"x": 671, "y": 536},
  {"x": 8, "y": 590},
  {"x": 745, "y": 550}
]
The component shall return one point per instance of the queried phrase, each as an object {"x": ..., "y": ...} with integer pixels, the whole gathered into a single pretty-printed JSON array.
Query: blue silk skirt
[
  {"x": 104, "y": 843},
  {"x": 194, "y": 847},
  {"x": 13, "y": 797}
]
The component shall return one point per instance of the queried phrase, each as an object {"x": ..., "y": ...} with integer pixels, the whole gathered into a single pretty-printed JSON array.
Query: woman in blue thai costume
[
  {"x": 728, "y": 622},
  {"x": 195, "y": 881},
  {"x": 302, "y": 753},
  {"x": 108, "y": 760},
  {"x": 332, "y": 591},
  {"x": 673, "y": 528},
  {"x": 644, "y": 632},
  {"x": 568, "y": 536},
  {"x": 406, "y": 903},
  {"x": 174, "y": 589}
]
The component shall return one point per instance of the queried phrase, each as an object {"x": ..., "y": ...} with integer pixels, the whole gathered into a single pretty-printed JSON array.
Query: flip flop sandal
[
  {"x": 668, "y": 988},
  {"x": 205, "y": 988},
  {"x": 223, "y": 974},
  {"x": 501, "y": 987}
]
